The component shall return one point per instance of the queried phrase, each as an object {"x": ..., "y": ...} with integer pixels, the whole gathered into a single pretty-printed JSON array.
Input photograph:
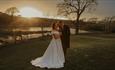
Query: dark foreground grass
[{"x": 87, "y": 52}]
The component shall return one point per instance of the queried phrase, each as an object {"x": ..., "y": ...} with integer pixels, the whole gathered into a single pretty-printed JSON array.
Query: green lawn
[{"x": 87, "y": 52}]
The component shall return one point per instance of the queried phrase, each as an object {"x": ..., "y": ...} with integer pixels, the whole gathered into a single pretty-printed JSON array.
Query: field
[{"x": 87, "y": 52}]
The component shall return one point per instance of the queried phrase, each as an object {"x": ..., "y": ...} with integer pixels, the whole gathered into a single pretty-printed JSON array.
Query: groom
[{"x": 65, "y": 37}]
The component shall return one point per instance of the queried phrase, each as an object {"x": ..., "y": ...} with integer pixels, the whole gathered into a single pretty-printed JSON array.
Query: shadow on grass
[{"x": 87, "y": 52}]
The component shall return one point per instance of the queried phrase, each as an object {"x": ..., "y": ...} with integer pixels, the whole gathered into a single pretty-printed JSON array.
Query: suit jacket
[{"x": 65, "y": 37}]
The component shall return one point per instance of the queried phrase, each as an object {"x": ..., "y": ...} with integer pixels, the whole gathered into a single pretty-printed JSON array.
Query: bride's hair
[{"x": 53, "y": 25}]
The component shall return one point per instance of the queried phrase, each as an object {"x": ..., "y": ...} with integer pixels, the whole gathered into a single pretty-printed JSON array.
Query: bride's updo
[{"x": 55, "y": 26}]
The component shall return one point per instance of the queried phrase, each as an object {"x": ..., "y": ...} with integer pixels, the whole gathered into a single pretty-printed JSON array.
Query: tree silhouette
[
  {"x": 12, "y": 12},
  {"x": 108, "y": 24},
  {"x": 75, "y": 7}
]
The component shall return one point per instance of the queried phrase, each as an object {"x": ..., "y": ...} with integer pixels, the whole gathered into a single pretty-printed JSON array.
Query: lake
[{"x": 10, "y": 39}]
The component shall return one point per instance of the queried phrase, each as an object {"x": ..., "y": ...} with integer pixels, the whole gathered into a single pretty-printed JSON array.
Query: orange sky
[{"x": 48, "y": 7}]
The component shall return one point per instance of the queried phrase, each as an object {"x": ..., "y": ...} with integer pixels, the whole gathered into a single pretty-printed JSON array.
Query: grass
[{"x": 87, "y": 52}]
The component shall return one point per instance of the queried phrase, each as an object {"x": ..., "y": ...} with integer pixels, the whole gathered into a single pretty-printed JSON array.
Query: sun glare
[{"x": 30, "y": 12}]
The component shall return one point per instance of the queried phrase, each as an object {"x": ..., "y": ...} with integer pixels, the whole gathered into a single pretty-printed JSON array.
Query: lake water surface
[{"x": 30, "y": 36}]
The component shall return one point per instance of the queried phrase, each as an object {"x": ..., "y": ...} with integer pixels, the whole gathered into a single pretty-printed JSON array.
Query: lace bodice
[{"x": 55, "y": 32}]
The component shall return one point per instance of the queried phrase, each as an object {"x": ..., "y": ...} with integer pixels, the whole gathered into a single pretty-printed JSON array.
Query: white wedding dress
[{"x": 53, "y": 56}]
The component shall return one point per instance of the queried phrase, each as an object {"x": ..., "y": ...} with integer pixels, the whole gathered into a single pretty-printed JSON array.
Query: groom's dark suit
[{"x": 65, "y": 37}]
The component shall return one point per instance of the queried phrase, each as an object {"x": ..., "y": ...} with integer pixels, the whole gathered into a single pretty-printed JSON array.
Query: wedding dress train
[{"x": 53, "y": 56}]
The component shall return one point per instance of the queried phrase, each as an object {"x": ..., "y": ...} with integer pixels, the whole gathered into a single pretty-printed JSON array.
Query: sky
[{"x": 105, "y": 8}]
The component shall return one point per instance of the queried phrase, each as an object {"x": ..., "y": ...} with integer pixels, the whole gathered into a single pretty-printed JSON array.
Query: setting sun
[{"x": 30, "y": 12}]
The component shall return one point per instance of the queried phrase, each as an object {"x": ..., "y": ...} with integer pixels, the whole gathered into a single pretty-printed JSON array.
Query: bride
[{"x": 53, "y": 56}]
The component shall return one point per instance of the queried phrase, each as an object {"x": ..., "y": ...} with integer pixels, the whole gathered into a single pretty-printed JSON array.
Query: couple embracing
[{"x": 55, "y": 54}]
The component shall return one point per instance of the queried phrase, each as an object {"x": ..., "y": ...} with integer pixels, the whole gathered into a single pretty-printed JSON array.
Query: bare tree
[
  {"x": 108, "y": 24},
  {"x": 12, "y": 11},
  {"x": 76, "y": 7}
]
